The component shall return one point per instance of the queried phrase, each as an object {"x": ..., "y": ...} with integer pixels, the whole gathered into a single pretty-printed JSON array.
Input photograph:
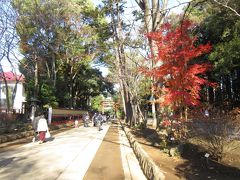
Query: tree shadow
[
  {"x": 6, "y": 161},
  {"x": 150, "y": 136},
  {"x": 197, "y": 167},
  {"x": 15, "y": 163}
]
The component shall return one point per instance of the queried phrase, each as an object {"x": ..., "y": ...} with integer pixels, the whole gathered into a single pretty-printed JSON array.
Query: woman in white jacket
[{"x": 42, "y": 128}]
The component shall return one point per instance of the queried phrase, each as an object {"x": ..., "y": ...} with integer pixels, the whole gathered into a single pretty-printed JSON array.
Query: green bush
[{"x": 163, "y": 144}]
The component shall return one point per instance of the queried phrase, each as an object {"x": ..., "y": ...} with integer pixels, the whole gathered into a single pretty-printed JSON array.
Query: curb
[
  {"x": 12, "y": 137},
  {"x": 150, "y": 169}
]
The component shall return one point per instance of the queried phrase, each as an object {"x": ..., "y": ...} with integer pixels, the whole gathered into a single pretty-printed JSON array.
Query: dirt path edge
[{"x": 150, "y": 169}]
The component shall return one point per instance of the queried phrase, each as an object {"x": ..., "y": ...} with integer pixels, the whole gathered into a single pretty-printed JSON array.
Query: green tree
[
  {"x": 59, "y": 40},
  {"x": 87, "y": 84},
  {"x": 42, "y": 27},
  {"x": 96, "y": 103},
  {"x": 220, "y": 25}
]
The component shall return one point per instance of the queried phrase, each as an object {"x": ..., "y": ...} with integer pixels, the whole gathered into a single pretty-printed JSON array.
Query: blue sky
[{"x": 132, "y": 5}]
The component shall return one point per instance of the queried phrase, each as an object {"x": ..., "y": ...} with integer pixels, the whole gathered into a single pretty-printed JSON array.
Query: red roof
[{"x": 10, "y": 76}]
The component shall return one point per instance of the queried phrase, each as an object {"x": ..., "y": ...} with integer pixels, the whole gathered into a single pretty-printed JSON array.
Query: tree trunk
[
  {"x": 14, "y": 92},
  {"x": 7, "y": 90},
  {"x": 186, "y": 113},
  {"x": 54, "y": 70},
  {"x": 122, "y": 94},
  {"x": 121, "y": 61},
  {"x": 236, "y": 85},
  {"x": 153, "y": 18},
  {"x": 129, "y": 110},
  {"x": 134, "y": 119},
  {"x": 35, "y": 93}
]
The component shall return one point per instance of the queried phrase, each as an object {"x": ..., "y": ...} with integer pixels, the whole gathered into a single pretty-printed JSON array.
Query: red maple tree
[{"x": 182, "y": 79}]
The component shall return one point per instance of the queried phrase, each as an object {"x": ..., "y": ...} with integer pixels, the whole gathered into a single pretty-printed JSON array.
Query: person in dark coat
[
  {"x": 99, "y": 121},
  {"x": 86, "y": 119},
  {"x": 94, "y": 119}
]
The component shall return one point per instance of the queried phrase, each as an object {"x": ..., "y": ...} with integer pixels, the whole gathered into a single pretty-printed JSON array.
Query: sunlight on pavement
[{"x": 66, "y": 157}]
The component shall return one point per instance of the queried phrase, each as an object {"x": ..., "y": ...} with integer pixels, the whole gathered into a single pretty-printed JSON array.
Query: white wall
[
  {"x": 18, "y": 101},
  {"x": 19, "y": 98}
]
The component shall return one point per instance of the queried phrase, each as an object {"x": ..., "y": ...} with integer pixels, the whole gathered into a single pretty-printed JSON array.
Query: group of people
[
  {"x": 97, "y": 119},
  {"x": 41, "y": 131},
  {"x": 86, "y": 120}
]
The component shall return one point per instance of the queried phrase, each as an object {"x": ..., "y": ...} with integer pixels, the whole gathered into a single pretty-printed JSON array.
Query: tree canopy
[{"x": 59, "y": 41}]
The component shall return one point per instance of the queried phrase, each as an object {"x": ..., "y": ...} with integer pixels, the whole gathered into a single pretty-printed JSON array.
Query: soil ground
[
  {"x": 189, "y": 166},
  {"x": 107, "y": 162}
]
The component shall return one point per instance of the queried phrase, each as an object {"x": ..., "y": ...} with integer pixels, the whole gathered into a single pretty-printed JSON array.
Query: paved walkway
[{"x": 80, "y": 153}]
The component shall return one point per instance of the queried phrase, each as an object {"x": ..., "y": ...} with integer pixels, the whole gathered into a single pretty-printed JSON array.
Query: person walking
[
  {"x": 94, "y": 119},
  {"x": 99, "y": 121},
  {"x": 76, "y": 123},
  {"x": 86, "y": 119},
  {"x": 104, "y": 118},
  {"x": 42, "y": 129}
]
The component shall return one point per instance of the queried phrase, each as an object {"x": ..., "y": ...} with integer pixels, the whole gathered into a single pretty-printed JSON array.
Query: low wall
[
  {"x": 11, "y": 137},
  {"x": 21, "y": 135},
  {"x": 150, "y": 169}
]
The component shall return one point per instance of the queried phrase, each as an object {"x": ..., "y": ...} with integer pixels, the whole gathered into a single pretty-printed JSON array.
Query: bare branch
[{"x": 227, "y": 6}]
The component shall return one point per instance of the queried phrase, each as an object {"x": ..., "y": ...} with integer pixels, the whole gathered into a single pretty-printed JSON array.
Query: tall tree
[
  {"x": 8, "y": 45},
  {"x": 154, "y": 13},
  {"x": 137, "y": 85},
  {"x": 225, "y": 40},
  {"x": 41, "y": 27},
  {"x": 58, "y": 38},
  {"x": 115, "y": 10}
]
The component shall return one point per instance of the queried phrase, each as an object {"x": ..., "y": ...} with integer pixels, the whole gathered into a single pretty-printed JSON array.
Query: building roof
[{"x": 10, "y": 76}]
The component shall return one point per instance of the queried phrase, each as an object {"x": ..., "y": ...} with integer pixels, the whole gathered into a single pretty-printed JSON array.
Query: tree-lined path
[
  {"x": 169, "y": 68},
  {"x": 80, "y": 153}
]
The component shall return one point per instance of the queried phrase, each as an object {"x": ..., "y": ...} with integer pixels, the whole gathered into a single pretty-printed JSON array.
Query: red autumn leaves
[{"x": 181, "y": 79}]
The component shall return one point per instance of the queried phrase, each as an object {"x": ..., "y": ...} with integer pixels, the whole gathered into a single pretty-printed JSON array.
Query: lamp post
[{"x": 33, "y": 107}]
